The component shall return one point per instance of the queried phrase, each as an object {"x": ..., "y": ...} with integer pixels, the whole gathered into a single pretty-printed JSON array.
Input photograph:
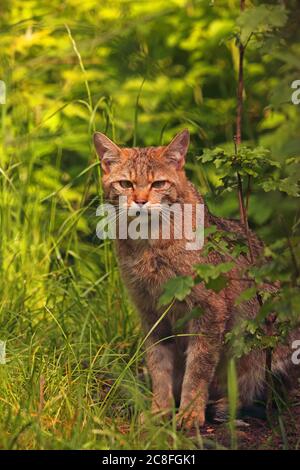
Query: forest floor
[{"x": 283, "y": 433}]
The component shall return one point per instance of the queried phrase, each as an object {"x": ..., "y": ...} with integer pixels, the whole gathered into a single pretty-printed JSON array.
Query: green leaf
[
  {"x": 210, "y": 230},
  {"x": 246, "y": 295},
  {"x": 261, "y": 19},
  {"x": 212, "y": 275},
  {"x": 217, "y": 284},
  {"x": 176, "y": 288},
  {"x": 207, "y": 272},
  {"x": 289, "y": 185}
]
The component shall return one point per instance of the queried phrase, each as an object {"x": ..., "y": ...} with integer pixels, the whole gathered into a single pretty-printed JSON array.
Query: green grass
[
  {"x": 66, "y": 347},
  {"x": 74, "y": 359},
  {"x": 72, "y": 378}
]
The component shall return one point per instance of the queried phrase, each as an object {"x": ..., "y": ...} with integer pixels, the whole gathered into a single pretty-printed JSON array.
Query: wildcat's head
[{"x": 148, "y": 176}]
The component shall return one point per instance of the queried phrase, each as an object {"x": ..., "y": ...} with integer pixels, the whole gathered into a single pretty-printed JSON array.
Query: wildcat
[{"x": 189, "y": 370}]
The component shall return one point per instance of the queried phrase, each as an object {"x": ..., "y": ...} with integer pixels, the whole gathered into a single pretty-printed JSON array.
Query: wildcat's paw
[
  {"x": 161, "y": 415},
  {"x": 155, "y": 416},
  {"x": 190, "y": 420},
  {"x": 162, "y": 408}
]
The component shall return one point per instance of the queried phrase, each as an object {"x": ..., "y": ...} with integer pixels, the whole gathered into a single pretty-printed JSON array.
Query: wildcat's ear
[
  {"x": 177, "y": 149},
  {"x": 108, "y": 152}
]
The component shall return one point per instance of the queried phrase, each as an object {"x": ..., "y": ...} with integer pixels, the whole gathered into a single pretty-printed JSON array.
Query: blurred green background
[{"x": 140, "y": 71}]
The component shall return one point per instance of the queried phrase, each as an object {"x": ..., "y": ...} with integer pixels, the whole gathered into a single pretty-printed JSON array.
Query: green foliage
[
  {"x": 261, "y": 20},
  {"x": 255, "y": 163},
  {"x": 289, "y": 184},
  {"x": 180, "y": 287},
  {"x": 246, "y": 295},
  {"x": 213, "y": 275},
  {"x": 176, "y": 288},
  {"x": 248, "y": 335}
]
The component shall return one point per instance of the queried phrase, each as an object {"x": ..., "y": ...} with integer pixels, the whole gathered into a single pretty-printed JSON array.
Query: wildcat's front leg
[
  {"x": 202, "y": 357},
  {"x": 160, "y": 362}
]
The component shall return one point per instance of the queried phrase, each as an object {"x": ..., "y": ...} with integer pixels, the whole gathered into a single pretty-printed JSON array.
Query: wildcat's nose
[{"x": 140, "y": 202}]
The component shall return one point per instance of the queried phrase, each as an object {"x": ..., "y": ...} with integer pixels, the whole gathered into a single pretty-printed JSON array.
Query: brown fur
[{"x": 188, "y": 369}]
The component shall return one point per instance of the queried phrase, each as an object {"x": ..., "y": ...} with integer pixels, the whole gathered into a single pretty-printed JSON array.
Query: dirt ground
[{"x": 282, "y": 433}]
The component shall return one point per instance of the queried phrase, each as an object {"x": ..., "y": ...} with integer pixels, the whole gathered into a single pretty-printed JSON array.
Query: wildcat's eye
[
  {"x": 126, "y": 184},
  {"x": 159, "y": 184}
]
